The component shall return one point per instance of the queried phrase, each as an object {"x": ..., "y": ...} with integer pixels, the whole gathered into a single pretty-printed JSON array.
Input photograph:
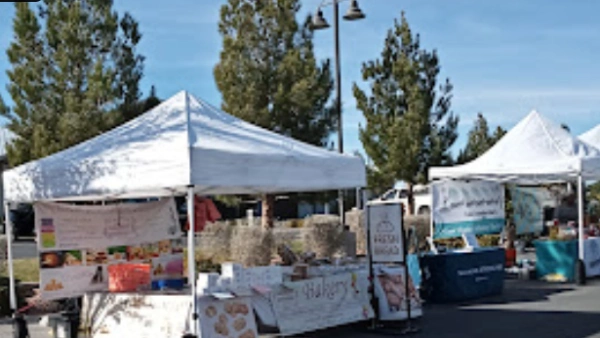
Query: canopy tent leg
[
  {"x": 191, "y": 259},
  {"x": 11, "y": 275},
  {"x": 580, "y": 266}
]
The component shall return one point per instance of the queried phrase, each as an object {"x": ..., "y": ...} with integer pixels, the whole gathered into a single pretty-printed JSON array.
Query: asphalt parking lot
[{"x": 525, "y": 309}]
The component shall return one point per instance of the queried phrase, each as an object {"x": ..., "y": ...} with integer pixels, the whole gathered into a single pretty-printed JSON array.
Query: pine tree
[
  {"x": 409, "y": 125},
  {"x": 26, "y": 87},
  {"x": 480, "y": 140},
  {"x": 268, "y": 74},
  {"x": 68, "y": 76}
]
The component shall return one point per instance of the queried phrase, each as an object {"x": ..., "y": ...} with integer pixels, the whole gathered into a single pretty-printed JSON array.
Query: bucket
[{"x": 511, "y": 257}]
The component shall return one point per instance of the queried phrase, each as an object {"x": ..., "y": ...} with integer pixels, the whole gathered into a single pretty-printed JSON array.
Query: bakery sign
[
  {"x": 323, "y": 302},
  {"x": 385, "y": 225},
  {"x": 76, "y": 244}
]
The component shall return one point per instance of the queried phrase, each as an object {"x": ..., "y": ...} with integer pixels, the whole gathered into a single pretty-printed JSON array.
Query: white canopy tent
[
  {"x": 592, "y": 136},
  {"x": 183, "y": 146},
  {"x": 536, "y": 150},
  {"x": 183, "y": 142}
]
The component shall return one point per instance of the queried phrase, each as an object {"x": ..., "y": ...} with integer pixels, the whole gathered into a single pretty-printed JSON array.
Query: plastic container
[
  {"x": 176, "y": 284},
  {"x": 128, "y": 277}
]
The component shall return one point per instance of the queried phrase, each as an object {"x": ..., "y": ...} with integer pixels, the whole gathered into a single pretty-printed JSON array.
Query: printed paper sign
[
  {"x": 390, "y": 289},
  {"x": 467, "y": 207},
  {"x": 385, "y": 225},
  {"x": 78, "y": 243},
  {"x": 226, "y": 318},
  {"x": 320, "y": 303}
]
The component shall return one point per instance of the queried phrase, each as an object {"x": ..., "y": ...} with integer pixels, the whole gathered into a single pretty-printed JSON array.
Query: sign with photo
[
  {"x": 385, "y": 226},
  {"x": 323, "y": 302},
  {"x": 226, "y": 318},
  {"x": 467, "y": 207},
  {"x": 528, "y": 208},
  {"x": 390, "y": 289},
  {"x": 78, "y": 243}
]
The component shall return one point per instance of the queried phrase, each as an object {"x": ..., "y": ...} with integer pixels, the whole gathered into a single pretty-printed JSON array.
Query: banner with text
[
  {"x": 467, "y": 207},
  {"x": 390, "y": 289},
  {"x": 528, "y": 208},
  {"x": 322, "y": 302},
  {"x": 385, "y": 225},
  {"x": 77, "y": 243}
]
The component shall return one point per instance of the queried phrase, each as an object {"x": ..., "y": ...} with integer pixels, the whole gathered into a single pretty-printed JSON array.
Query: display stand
[{"x": 386, "y": 244}]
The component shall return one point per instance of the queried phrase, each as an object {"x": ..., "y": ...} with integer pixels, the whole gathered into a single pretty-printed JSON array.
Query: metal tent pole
[
  {"x": 191, "y": 259},
  {"x": 11, "y": 274},
  {"x": 580, "y": 272}
]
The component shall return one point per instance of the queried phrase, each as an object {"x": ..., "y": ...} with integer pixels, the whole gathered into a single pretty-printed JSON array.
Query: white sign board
[
  {"x": 134, "y": 315},
  {"x": 226, "y": 318},
  {"x": 467, "y": 207},
  {"x": 385, "y": 225},
  {"x": 77, "y": 243},
  {"x": 322, "y": 302},
  {"x": 390, "y": 289}
]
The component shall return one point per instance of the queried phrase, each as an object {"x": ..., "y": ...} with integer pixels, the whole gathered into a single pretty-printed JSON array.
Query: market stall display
[
  {"x": 465, "y": 209},
  {"x": 536, "y": 151},
  {"x": 556, "y": 258},
  {"x": 210, "y": 152}
]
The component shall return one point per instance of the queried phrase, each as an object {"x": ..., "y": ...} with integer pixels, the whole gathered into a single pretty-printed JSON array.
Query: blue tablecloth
[
  {"x": 556, "y": 257},
  {"x": 458, "y": 276}
]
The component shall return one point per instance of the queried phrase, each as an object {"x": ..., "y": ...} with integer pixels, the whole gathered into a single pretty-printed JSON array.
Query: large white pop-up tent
[
  {"x": 183, "y": 146},
  {"x": 592, "y": 136},
  {"x": 536, "y": 150}
]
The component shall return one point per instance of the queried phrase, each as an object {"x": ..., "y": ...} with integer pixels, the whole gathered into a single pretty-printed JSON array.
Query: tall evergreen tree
[
  {"x": 268, "y": 73},
  {"x": 66, "y": 77},
  {"x": 409, "y": 125},
  {"x": 480, "y": 140}
]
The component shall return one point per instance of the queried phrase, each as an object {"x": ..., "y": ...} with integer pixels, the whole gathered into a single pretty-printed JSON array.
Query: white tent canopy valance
[
  {"x": 183, "y": 142},
  {"x": 536, "y": 150}
]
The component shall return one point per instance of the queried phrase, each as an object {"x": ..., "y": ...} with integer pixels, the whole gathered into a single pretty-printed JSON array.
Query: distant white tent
[
  {"x": 535, "y": 150},
  {"x": 183, "y": 142},
  {"x": 592, "y": 136}
]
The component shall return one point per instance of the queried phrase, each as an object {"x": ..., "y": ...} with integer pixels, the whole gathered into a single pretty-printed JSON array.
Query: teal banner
[{"x": 478, "y": 227}]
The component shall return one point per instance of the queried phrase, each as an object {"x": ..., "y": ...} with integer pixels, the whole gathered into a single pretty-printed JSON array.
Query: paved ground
[
  {"x": 24, "y": 248},
  {"x": 526, "y": 309}
]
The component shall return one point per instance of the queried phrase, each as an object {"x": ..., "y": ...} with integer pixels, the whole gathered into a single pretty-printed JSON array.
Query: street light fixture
[{"x": 319, "y": 23}]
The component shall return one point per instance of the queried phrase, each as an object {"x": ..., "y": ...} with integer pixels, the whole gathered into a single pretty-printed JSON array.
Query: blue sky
[{"x": 504, "y": 57}]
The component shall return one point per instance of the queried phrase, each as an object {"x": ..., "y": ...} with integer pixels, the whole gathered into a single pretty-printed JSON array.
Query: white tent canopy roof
[
  {"x": 592, "y": 136},
  {"x": 183, "y": 142},
  {"x": 535, "y": 150}
]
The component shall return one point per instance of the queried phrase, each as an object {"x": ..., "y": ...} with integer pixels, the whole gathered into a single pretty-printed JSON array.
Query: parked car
[
  {"x": 23, "y": 220},
  {"x": 421, "y": 196}
]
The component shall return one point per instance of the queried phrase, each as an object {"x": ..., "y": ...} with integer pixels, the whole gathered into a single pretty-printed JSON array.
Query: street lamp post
[{"x": 319, "y": 22}]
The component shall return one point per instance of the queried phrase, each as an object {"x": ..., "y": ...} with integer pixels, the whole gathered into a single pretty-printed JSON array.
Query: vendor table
[
  {"x": 560, "y": 257},
  {"x": 458, "y": 276}
]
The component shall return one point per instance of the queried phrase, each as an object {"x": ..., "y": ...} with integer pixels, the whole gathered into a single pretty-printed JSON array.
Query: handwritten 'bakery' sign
[{"x": 320, "y": 303}]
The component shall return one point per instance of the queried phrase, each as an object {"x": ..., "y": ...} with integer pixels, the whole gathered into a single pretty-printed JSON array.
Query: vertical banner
[
  {"x": 385, "y": 226},
  {"x": 528, "y": 208},
  {"x": 467, "y": 207},
  {"x": 390, "y": 289},
  {"x": 77, "y": 243}
]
